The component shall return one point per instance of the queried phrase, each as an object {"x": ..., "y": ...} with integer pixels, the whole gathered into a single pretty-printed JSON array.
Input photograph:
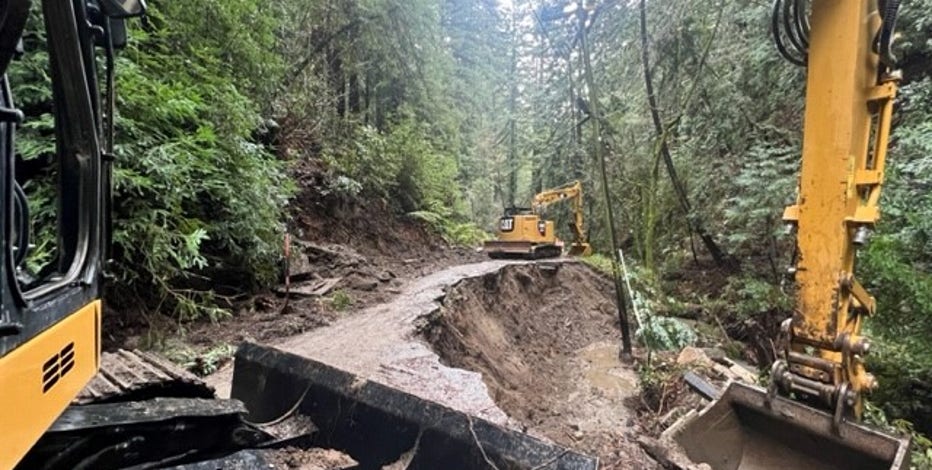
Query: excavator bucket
[
  {"x": 741, "y": 431},
  {"x": 579, "y": 249},
  {"x": 378, "y": 425}
]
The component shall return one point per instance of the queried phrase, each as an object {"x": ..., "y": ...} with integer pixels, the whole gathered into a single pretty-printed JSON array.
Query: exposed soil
[
  {"x": 545, "y": 339},
  {"x": 531, "y": 346},
  {"x": 308, "y": 459}
]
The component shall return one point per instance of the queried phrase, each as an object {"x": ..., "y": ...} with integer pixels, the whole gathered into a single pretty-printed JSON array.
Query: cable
[
  {"x": 888, "y": 13},
  {"x": 287, "y": 414},
  {"x": 802, "y": 20},
  {"x": 790, "y": 28},
  {"x": 789, "y": 25}
]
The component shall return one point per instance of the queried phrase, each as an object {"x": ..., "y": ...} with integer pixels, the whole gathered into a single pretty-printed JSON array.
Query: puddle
[{"x": 604, "y": 372}]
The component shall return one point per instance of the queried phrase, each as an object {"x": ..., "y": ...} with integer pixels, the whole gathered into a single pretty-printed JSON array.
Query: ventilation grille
[{"x": 57, "y": 367}]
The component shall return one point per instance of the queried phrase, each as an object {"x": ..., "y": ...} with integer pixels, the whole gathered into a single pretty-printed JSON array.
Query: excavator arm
[
  {"x": 572, "y": 191},
  {"x": 808, "y": 418},
  {"x": 847, "y": 127}
]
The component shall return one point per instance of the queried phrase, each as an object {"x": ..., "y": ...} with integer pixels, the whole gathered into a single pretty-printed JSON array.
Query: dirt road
[{"x": 381, "y": 343}]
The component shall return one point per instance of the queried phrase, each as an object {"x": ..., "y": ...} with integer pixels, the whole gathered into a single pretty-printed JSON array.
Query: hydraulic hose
[
  {"x": 788, "y": 15},
  {"x": 790, "y": 26},
  {"x": 801, "y": 17},
  {"x": 889, "y": 13}
]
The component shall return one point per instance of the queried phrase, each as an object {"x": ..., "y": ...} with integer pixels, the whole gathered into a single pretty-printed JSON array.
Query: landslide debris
[{"x": 545, "y": 339}]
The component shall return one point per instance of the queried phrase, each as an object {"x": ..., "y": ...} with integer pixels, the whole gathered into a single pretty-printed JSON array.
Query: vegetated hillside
[
  {"x": 729, "y": 111},
  {"x": 230, "y": 111}
]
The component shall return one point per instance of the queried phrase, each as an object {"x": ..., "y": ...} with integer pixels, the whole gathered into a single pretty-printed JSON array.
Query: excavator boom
[
  {"x": 574, "y": 192},
  {"x": 850, "y": 90}
]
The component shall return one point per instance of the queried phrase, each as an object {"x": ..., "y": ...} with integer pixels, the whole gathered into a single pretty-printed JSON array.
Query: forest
[{"x": 680, "y": 118}]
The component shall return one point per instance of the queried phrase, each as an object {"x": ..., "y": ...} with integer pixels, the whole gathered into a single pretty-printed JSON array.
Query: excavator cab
[{"x": 523, "y": 233}]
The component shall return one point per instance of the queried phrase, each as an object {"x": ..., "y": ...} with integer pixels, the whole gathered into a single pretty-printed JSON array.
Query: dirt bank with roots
[{"x": 545, "y": 339}]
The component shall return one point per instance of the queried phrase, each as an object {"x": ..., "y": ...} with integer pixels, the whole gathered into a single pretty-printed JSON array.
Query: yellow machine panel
[
  {"x": 524, "y": 236},
  {"x": 41, "y": 377},
  {"x": 527, "y": 227}
]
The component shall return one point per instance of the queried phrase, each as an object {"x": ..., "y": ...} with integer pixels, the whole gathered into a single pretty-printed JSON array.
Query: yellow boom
[
  {"x": 570, "y": 191},
  {"x": 809, "y": 416}
]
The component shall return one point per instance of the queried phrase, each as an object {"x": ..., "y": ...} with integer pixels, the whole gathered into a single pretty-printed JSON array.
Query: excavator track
[
  {"x": 137, "y": 375},
  {"x": 142, "y": 411}
]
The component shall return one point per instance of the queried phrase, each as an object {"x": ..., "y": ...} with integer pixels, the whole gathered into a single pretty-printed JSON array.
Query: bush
[{"x": 196, "y": 201}]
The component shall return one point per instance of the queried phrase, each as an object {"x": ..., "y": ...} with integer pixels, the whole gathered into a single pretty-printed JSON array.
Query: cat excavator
[
  {"x": 522, "y": 233},
  {"x": 809, "y": 417}
]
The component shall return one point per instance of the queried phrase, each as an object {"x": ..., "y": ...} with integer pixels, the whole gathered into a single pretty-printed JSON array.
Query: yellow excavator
[
  {"x": 809, "y": 416},
  {"x": 522, "y": 233}
]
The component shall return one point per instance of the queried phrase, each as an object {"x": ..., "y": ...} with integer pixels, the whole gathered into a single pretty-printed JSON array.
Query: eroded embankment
[
  {"x": 526, "y": 345},
  {"x": 545, "y": 339}
]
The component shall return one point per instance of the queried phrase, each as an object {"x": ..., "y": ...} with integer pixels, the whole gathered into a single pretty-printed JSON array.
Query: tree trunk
[{"x": 695, "y": 225}]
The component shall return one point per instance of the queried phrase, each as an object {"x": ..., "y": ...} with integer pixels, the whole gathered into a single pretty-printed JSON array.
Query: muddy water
[{"x": 604, "y": 373}]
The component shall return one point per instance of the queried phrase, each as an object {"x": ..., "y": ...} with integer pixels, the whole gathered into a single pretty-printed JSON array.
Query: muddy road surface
[
  {"x": 531, "y": 346},
  {"x": 382, "y": 343}
]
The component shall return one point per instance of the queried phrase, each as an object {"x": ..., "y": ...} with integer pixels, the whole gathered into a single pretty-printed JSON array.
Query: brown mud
[{"x": 545, "y": 339}]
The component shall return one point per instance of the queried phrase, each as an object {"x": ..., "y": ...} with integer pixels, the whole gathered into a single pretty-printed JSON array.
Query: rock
[
  {"x": 695, "y": 356},
  {"x": 743, "y": 374},
  {"x": 367, "y": 285},
  {"x": 715, "y": 354},
  {"x": 312, "y": 288}
]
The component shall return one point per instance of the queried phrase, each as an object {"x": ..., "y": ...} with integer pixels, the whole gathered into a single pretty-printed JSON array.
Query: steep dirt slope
[{"x": 545, "y": 339}]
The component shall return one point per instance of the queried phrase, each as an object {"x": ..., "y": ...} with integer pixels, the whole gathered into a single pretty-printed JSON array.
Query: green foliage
[
  {"x": 901, "y": 360},
  {"x": 752, "y": 297},
  {"x": 665, "y": 333},
  {"x": 600, "y": 263},
  {"x": 361, "y": 163},
  {"x": 340, "y": 300},
  {"x": 195, "y": 195},
  {"x": 754, "y": 215},
  {"x": 655, "y": 331},
  {"x": 460, "y": 234},
  {"x": 200, "y": 363},
  {"x": 921, "y": 457}
]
